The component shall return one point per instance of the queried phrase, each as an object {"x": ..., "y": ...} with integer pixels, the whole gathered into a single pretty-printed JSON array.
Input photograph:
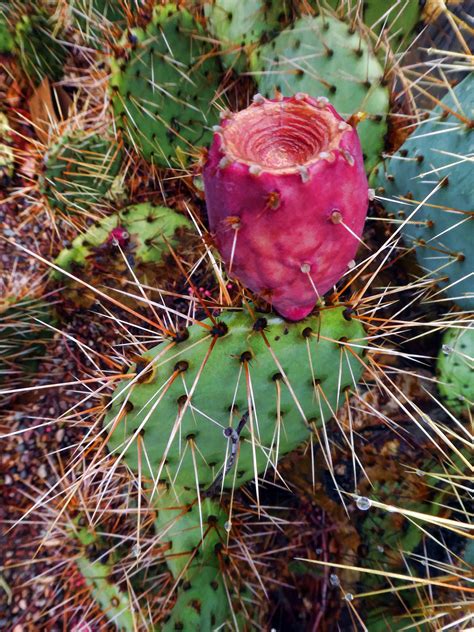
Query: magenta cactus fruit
[{"x": 287, "y": 197}]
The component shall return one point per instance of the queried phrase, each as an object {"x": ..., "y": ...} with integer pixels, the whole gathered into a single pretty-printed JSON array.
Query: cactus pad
[
  {"x": 195, "y": 533},
  {"x": 455, "y": 369},
  {"x": 323, "y": 57},
  {"x": 37, "y": 45},
  {"x": 238, "y": 25},
  {"x": 79, "y": 169},
  {"x": 142, "y": 229},
  {"x": 7, "y": 157},
  {"x": 191, "y": 398},
  {"x": 438, "y": 155},
  {"x": 163, "y": 90}
]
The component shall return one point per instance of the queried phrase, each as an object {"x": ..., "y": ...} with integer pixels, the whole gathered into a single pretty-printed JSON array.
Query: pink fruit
[
  {"x": 118, "y": 236},
  {"x": 287, "y": 198}
]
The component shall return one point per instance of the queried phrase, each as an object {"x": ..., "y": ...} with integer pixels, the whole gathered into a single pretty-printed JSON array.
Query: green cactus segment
[
  {"x": 438, "y": 154},
  {"x": 323, "y": 57},
  {"x": 92, "y": 18},
  {"x": 398, "y": 18},
  {"x": 192, "y": 529},
  {"x": 150, "y": 230},
  {"x": 286, "y": 389},
  {"x": 239, "y": 25},
  {"x": 79, "y": 169},
  {"x": 7, "y": 156},
  {"x": 455, "y": 369},
  {"x": 195, "y": 532},
  {"x": 399, "y": 21},
  {"x": 203, "y": 603},
  {"x": 6, "y": 39},
  {"x": 38, "y": 46},
  {"x": 163, "y": 92},
  {"x": 115, "y": 604},
  {"x": 22, "y": 337}
]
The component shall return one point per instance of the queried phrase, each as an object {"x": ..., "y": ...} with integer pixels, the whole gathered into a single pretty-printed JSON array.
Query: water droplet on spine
[
  {"x": 363, "y": 503},
  {"x": 334, "y": 580}
]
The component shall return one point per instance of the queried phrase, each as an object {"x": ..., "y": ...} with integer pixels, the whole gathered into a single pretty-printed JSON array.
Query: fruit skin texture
[
  {"x": 442, "y": 229},
  {"x": 455, "y": 369},
  {"x": 278, "y": 232}
]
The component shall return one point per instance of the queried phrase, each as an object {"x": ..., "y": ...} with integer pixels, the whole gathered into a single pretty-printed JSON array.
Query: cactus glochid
[{"x": 281, "y": 225}]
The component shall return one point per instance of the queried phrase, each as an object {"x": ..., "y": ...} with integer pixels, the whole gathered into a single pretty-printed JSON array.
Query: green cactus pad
[
  {"x": 93, "y": 19},
  {"x": 115, "y": 604},
  {"x": 38, "y": 46},
  {"x": 22, "y": 337},
  {"x": 163, "y": 90},
  {"x": 7, "y": 157},
  {"x": 239, "y": 25},
  {"x": 195, "y": 532},
  {"x": 203, "y": 605},
  {"x": 79, "y": 169},
  {"x": 400, "y": 21},
  {"x": 98, "y": 575},
  {"x": 150, "y": 228},
  {"x": 323, "y": 57},
  {"x": 189, "y": 525},
  {"x": 442, "y": 230},
  {"x": 289, "y": 392},
  {"x": 6, "y": 39},
  {"x": 455, "y": 369}
]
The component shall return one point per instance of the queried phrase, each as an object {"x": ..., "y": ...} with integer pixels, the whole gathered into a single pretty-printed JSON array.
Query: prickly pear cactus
[
  {"x": 195, "y": 533},
  {"x": 37, "y": 42},
  {"x": 142, "y": 230},
  {"x": 6, "y": 39},
  {"x": 22, "y": 336},
  {"x": 455, "y": 369},
  {"x": 231, "y": 396},
  {"x": 7, "y": 158},
  {"x": 240, "y": 25},
  {"x": 92, "y": 17},
  {"x": 281, "y": 225},
  {"x": 79, "y": 169},
  {"x": 399, "y": 21},
  {"x": 428, "y": 180},
  {"x": 97, "y": 570},
  {"x": 324, "y": 56},
  {"x": 164, "y": 87}
]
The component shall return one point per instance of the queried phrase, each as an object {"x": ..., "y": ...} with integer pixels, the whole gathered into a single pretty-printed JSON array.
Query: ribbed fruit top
[{"x": 282, "y": 136}]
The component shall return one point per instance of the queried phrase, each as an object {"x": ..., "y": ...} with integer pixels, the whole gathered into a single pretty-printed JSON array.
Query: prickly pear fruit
[{"x": 287, "y": 197}]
